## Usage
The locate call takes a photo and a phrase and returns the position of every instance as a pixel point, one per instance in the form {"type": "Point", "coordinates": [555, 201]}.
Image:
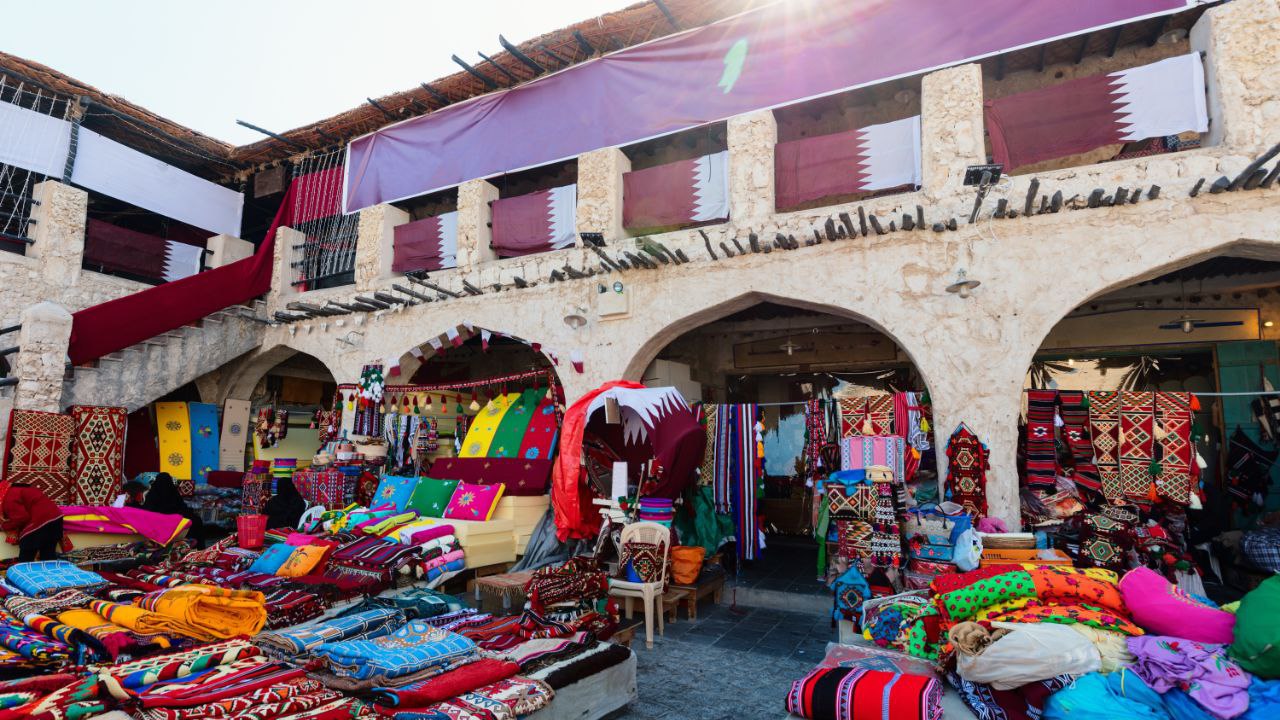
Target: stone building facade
{"type": "Point", "coordinates": [973, 352]}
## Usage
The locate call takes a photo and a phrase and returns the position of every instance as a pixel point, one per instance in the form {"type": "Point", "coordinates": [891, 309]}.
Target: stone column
{"type": "Point", "coordinates": [474, 233]}
{"type": "Point", "coordinates": [951, 136]}
{"type": "Point", "coordinates": [40, 363]}
{"type": "Point", "coordinates": [600, 192]}
{"type": "Point", "coordinates": [752, 187]}
{"type": "Point", "coordinates": [1241, 46]}
{"type": "Point", "coordinates": [375, 244]}
{"type": "Point", "coordinates": [991, 410]}
{"type": "Point", "coordinates": [225, 249]}
{"type": "Point", "coordinates": [57, 230]}
{"type": "Point", "coordinates": [282, 289]}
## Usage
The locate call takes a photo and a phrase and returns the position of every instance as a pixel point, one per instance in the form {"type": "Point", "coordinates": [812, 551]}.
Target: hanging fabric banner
{"type": "Point", "coordinates": [538, 222]}
{"type": "Point", "coordinates": [33, 141]}
{"type": "Point", "coordinates": [778, 54]}
{"type": "Point", "coordinates": [1163, 98]}
{"type": "Point", "coordinates": [678, 193]}
{"type": "Point", "coordinates": [426, 244]}
{"type": "Point", "coordinates": [123, 250]}
{"type": "Point", "coordinates": [876, 157]}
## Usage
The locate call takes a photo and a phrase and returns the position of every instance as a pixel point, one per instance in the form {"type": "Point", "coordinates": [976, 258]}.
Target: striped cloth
{"type": "Point", "coordinates": [414, 648]}
{"type": "Point", "coordinates": [302, 639]}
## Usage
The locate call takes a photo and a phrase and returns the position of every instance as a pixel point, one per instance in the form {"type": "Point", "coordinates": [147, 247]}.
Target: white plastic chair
{"type": "Point", "coordinates": [649, 593]}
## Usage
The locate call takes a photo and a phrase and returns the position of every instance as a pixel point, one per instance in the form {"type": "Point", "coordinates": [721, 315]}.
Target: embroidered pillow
{"type": "Point", "coordinates": [473, 502]}
{"type": "Point", "coordinates": [394, 490]}
{"type": "Point", "coordinates": [272, 558]}
{"type": "Point", "coordinates": [431, 496]}
{"type": "Point", "coordinates": [1161, 608]}
{"type": "Point", "coordinates": [303, 560]}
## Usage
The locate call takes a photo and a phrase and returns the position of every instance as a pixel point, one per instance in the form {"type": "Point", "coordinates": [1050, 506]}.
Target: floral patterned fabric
{"type": "Point", "coordinates": [473, 502]}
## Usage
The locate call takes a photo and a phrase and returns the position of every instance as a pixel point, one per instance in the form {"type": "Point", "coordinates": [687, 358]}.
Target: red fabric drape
{"type": "Point", "coordinates": [123, 250]}
{"type": "Point", "coordinates": [522, 224]}
{"type": "Point", "coordinates": [570, 497]}
{"type": "Point", "coordinates": [417, 246]}
{"type": "Point", "coordinates": [660, 196]}
{"type": "Point", "coordinates": [141, 453]}
{"type": "Point", "coordinates": [1073, 117]}
{"type": "Point", "coordinates": [817, 167]}
{"type": "Point", "coordinates": [103, 329]}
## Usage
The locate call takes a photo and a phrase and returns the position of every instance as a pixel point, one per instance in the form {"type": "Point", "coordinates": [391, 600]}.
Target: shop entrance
{"type": "Point", "coordinates": [1148, 406]}
{"type": "Point", "coordinates": [805, 379]}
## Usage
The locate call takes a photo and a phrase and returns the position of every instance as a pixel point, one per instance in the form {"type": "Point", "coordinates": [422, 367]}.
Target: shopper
{"type": "Point", "coordinates": [36, 521]}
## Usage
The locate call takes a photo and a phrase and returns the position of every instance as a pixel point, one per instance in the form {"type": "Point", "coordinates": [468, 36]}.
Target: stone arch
{"type": "Point", "coordinates": [409, 362]}
{"type": "Point", "coordinates": [242, 379]}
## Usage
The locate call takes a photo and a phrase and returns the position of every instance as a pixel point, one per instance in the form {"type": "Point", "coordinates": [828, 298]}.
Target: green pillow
{"type": "Point", "coordinates": [1257, 634]}
{"type": "Point", "coordinates": [431, 496]}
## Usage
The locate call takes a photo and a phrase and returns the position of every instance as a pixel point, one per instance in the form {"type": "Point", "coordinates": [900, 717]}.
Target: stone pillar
{"type": "Point", "coordinates": [474, 233]}
{"type": "Point", "coordinates": [991, 410]}
{"type": "Point", "coordinates": [951, 136]}
{"type": "Point", "coordinates": [282, 288]}
{"type": "Point", "coordinates": [1241, 46]}
{"type": "Point", "coordinates": [752, 187]}
{"type": "Point", "coordinates": [225, 249]}
{"type": "Point", "coordinates": [375, 244]}
{"type": "Point", "coordinates": [600, 192]}
{"type": "Point", "coordinates": [57, 229]}
{"type": "Point", "coordinates": [40, 363]}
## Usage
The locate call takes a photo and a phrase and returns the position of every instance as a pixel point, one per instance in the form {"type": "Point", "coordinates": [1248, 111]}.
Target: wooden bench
{"type": "Point", "coordinates": [713, 586]}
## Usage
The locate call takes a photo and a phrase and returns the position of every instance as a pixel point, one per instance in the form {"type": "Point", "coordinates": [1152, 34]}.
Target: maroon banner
{"type": "Point", "coordinates": [537, 222]}
{"type": "Point", "coordinates": [123, 250]}
{"type": "Point", "coordinates": [779, 54]}
{"type": "Point", "coordinates": [675, 194]}
{"type": "Point", "coordinates": [426, 244]}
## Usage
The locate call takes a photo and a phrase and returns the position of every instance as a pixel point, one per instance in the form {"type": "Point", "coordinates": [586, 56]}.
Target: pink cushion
{"type": "Point", "coordinates": [473, 502]}
{"type": "Point", "coordinates": [431, 533]}
{"type": "Point", "coordinates": [1162, 608]}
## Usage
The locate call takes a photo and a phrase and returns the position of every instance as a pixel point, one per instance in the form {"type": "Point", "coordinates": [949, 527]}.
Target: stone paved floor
{"type": "Point", "coordinates": [730, 663]}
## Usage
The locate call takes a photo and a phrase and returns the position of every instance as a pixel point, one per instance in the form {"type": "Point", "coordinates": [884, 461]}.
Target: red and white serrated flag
{"type": "Point", "coordinates": [427, 244]}
{"type": "Point", "coordinates": [577, 360]}
{"type": "Point", "coordinates": [538, 222]}
{"type": "Point", "coordinates": [678, 193]}
{"type": "Point", "coordinates": [1162, 98]}
{"type": "Point", "coordinates": [454, 337]}
{"type": "Point", "coordinates": [875, 157]}
{"type": "Point", "coordinates": [436, 343]}
{"type": "Point", "coordinates": [416, 351]}
{"type": "Point", "coordinates": [484, 339]}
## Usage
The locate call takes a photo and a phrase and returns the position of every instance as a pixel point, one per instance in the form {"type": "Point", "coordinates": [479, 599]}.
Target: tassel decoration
{"type": "Point", "coordinates": [1195, 403]}
{"type": "Point", "coordinates": [428, 407]}
{"type": "Point", "coordinates": [924, 425]}
{"type": "Point", "coordinates": [475, 404]}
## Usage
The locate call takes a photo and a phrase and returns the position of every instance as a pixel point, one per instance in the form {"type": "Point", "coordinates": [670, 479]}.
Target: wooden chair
{"type": "Point", "coordinates": [649, 593]}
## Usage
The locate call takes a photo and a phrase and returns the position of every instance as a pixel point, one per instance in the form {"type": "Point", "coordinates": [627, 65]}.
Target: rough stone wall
{"type": "Point", "coordinates": [600, 191]}
{"type": "Point", "coordinates": [752, 187]}
{"type": "Point", "coordinates": [950, 127]}
{"type": "Point", "coordinates": [375, 244]}
{"type": "Point", "coordinates": [39, 364]}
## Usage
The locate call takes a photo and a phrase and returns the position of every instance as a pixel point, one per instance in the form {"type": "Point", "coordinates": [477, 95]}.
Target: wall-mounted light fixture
{"type": "Point", "coordinates": [576, 317]}
{"type": "Point", "coordinates": [964, 285]}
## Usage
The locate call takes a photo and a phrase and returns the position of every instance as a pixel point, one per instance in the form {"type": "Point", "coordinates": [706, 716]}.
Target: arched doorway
{"type": "Point", "coordinates": [285, 401]}
{"type": "Point", "coordinates": [1145, 411]}
{"type": "Point", "coordinates": [804, 379]}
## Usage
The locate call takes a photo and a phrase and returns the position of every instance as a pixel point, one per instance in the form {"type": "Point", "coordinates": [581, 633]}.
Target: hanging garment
{"type": "Point", "coordinates": [967, 465]}
{"type": "Point", "coordinates": [1104, 431]}
{"type": "Point", "coordinates": [911, 416]}
{"type": "Point", "coordinates": [1075, 429]}
{"type": "Point", "coordinates": [1042, 455]}
{"type": "Point", "coordinates": [738, 472]}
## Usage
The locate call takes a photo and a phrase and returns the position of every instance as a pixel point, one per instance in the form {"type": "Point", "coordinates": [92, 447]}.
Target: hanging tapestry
{"type": "Point", "coordinates": [861, 453]}
{"type": "Point", "coordinates": [480, 435]}
{"type": "Point", "coordinates": [540, 437]}
{"type": "Point", "coordinates": [866, 415]}
{"type": "Point", "coordinates": [710, 414]}
{"type": "Point", "coordinates": [39, 452]}
{"type": "Point", "coordinates": [368, 418]}
{"type": "Point", "coordinates": [1173, 411]}
{"type": "Point", "coordinates": [174, 430]}
{"type": "Point", "coordinates": [1137, 441]}
{"type": "Point", "coordinates": [967, 465]}
{"type": "Point", "coordinates": [141, 450]}
{"type": "Point", "coordinates": [1104, 432]}
{"type": "Point", "coordinates": [426, 244]}
{"type": "Point", "coordinates": [854, 539]}
{"type": "Point", "coordinates": [235, 428]}
{"type": "Point", "coordinates": [677, 193]}
{"type": "Point", "coordinates": [534, 223]}
{"type": "Point", "coordinates": [738, 472]}
{"type": "Point", "coordinates": [911, 418]}
{"type": "Point", "coordinates": [1042, 456]}
{"type": "Point", "coordinates": [515, 424]}
{"type": "Point", "coordinates": [97, 453]}
{"type": "Point", "coordinates": [1075, 428]}
{"type": "Point", "coordinates": [328, 424]}
{"type": "Point", "coordinates": [886, 537]}
{"type": "Point", "coordinates": [203, 418]}
{"type": "Point", "coordinates": [815, 437]}
{"type": "Point", "coordinates": [875, 157]}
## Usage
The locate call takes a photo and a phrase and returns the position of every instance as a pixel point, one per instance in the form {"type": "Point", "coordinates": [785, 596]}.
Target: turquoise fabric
{"type": "Point", "coordinates": [272, 558]}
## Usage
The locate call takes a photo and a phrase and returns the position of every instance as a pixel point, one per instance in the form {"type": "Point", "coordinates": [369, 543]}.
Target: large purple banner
{"type": "Point", "coordinates": [783, 53]}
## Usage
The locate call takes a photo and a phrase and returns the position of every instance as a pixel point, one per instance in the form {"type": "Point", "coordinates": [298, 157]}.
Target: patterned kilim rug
{"type": "Point", "coordinates": [39, 452]}
{"type": "Point", "coordinates": [1104, 431]}
{"type": "Point", "coordinates": [97, 453]}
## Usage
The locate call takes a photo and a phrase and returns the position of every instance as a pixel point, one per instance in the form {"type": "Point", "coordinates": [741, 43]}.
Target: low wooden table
{"type": "Point", "coordinates": [507, 586]}
{"type": "Point", "coordinates": [693, 593]}
{"type": "Point", "coordinates": [671, 601]}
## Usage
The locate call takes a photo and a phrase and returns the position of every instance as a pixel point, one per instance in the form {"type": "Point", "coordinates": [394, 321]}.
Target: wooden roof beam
{"type": "Point", "coordinates": [488, 81]}
{"type": "Point", "coordinates": [525, 59]}
{"type": "Point", "coordinates": [514, 80]}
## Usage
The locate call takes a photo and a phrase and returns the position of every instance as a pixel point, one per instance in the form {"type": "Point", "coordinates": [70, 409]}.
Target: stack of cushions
{"type": "Point", "coordinates": [657, 510]}
{"type": "Point", "coordinates": [473, 502]}
{"type": "Point", "coordinates": [431, 497]}
{"type": "Point", "coordinates": [296, 557]}
{"type": "Point", "coordinates": [282, 468]}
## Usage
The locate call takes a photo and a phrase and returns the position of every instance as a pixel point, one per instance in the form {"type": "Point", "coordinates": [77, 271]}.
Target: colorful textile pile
{"type": "Point", "coordinates": [865, 452]}
{"type": "Point", "coordinates": [300, 640]}
{"type": "Point", "coordinates": [967, 465]}
{"type": "Point", "coordinates": [658, 510]}
{"type": "Point", "coordinates": [38, 452]}
{"type": "Point", "coordinates": [1218, 685]}
{"type": "Point", "coordinates": [210, 613]}
{"type": "Point", "coordinates": [576, 580]}
{"type": "Point", "coordinates": [858, 694]}
{"type": "Point", "coordinates": [329, 488]}
{"type": "Point", "coordinates": [97, 453]}
{"type": "Point", "coordinates": [416, 650]}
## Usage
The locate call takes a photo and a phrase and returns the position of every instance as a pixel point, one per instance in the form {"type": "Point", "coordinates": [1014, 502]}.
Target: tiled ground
{"type": "Point", "coordinates": [788, 564]}
{"type": "Point", "coordinates": [730, 663]}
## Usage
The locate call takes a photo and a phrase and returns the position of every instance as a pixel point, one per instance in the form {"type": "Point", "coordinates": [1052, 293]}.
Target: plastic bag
{"type": "Point", "coordinates": [968, 551]}
{"type": "Point", "coordinates": [686, 563]}
{"type": "Point", "coordinates": [1032, 652]}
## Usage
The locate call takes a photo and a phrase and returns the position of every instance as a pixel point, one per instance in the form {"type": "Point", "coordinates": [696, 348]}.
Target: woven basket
{"type": "Point", "coordinates": [251, 531]}
{"type": "Point", "coordinates": [1009, 541]}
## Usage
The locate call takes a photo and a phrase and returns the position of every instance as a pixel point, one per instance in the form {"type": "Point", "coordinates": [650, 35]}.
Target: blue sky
{"type": "Point", "coordinates": [276, 63]}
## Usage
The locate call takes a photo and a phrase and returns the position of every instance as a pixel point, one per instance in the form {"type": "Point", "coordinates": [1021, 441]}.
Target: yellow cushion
{"type": "Point", "coordinates": [302, 561]}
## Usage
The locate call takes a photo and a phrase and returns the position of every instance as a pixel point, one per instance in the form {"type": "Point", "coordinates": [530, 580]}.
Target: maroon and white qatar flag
{"type": "Point", "coordinates": [678, 193]}
{"type": "Point", "coordinates": [876, 157]}
{"type": "Point", "coordinates": [538, 222]}
{"type": "Point", "coordinates": [1163, 98]}
{"type": "Point", "coordinates": [426, 244]}
{"type": "Point", "coordinates": [123, 250]}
